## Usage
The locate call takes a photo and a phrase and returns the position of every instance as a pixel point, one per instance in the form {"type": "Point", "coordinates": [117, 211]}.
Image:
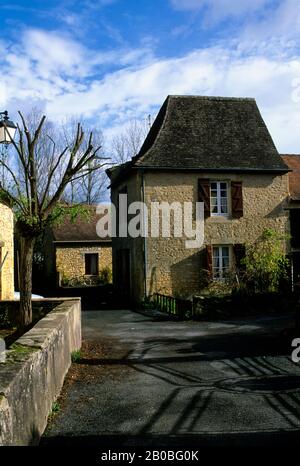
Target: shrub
{"type": "Point", "coordinates": [64, 280]}
{"type": "Point", "coordinates": [105, 275]}
{"type": "Point", "coordinates": [217, 288]}
{"type": "Point", "coordinates": [266, 264]}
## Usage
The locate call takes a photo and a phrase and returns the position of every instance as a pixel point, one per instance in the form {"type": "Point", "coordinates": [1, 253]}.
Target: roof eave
{"type": "Point", "coordinates": [82, 241]}
{"type": "Point", "coordinates": [216, 170]}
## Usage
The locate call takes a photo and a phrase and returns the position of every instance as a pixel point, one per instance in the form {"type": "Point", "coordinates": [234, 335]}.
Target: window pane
{"type": "Point", "coordinates": [216, 252]}
{"type": "Point", "coordinates": [214, 205]}
{"type": "Point", "coordinates": [225, 263]}
{"type": "Point", "coordinates": [219, 197]}
{"type": "Point", "coordinates": [224, 207]}
{"type": "Point", "coordinates": [215, 262]}
{"type": "Point", "coordinates": [225, 251]}
{"type": "Point", "coordinates": [221, 262]}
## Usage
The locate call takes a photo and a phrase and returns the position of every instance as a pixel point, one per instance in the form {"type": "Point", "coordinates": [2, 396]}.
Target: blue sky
{"type": "Point", "coordinates": [113, 60]}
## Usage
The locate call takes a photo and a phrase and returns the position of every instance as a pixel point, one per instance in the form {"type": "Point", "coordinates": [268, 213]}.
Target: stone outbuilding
{"type": "Point", "coordinates": [6, 253]}
{"type": "Point", "coordinates": [74, 251]}
{"type": "Point", "coordinates": [293, 162]}
{"type": "Point", "coordinates": [213, 150]}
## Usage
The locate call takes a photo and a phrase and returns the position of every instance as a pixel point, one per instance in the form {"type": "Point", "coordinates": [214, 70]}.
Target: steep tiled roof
{"type": "Point", "coordinates": [207, 133]}
{"type": "Point", "coordinates": [210, 133]}
{"type": "Point", "coordinates": [82, 230]}
{"type": "Point", "coordinates": [293, 162]}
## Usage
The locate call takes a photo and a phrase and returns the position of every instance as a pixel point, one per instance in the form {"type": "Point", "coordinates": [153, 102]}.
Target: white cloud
{"type": "Point", "coordinates": [282, 21]}
{"type": "Point", "coordinates": [67, 79]}
{"type": "Point", "coordinates": [263, 19]}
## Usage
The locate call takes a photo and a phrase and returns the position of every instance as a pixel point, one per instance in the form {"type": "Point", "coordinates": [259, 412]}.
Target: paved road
{"type": "Point", "coordinates": [221, 383]}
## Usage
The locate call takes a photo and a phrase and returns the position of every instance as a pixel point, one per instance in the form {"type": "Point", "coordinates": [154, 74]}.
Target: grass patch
{"type": "Point", "coordinates": [18, 353]}
{"type": "Point", "coordinates": [55, 409]}
{"type": "Point", "coordinates": [22, 349]}
{"type": "Point", "coordinates": [75, 356]}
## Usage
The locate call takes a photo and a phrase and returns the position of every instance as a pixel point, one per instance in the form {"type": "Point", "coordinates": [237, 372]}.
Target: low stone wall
{"type": "Point", "coordinates": [40, 307]}
{"type": "Point", "coordinates": [33, 373]}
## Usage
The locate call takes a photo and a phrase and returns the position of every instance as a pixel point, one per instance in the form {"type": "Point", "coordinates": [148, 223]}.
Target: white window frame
{"type": "Point", "coordinates": [219, 197]}
{"type": "Point", "coordinates": [221, 277]}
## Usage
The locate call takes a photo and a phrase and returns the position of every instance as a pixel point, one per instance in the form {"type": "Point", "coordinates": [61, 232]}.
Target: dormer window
{"type": "Point", "coordinates": [219, 198]}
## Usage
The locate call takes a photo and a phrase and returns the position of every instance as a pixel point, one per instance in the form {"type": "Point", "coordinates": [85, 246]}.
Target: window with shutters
{"type": "Point", "coordinates": [237, 199]}
{"type": "Point", "coordinates": [219, 198]}
{"type": "Point", "coordinates": [221, 259]}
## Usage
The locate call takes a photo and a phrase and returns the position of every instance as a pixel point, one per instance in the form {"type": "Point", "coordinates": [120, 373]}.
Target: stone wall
{"type": "Point", "coordinates": [7, 242]}
{"type": "Point", "coordinates": [70, 260]}
{"type": "Point", "coordinates": [175, 270]}
{"type": "Point", "coordinates": [33, 374]}
{"type": "Point", "coordinates": [135, 246]}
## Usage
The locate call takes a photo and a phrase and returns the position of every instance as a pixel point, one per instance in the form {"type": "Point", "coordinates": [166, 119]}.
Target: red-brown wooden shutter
{"type": "Point", "coordinates": [237, 199]}
{"type": "Point", "coordinates": [209, 259]}
{"type": "Point", "coordinates": [239, 253]}
{"type": "Point", "coordinates": [204, 195]}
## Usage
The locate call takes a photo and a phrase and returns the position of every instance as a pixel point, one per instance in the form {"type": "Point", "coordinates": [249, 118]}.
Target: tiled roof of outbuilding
{"type": "Point", "coordinates": [82, 230]}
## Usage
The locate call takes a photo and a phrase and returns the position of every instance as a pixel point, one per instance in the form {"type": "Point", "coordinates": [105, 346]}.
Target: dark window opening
{"type": "Point", "coordinates": [295, 228]}
{"type": "Point", "coordinates": [91, 264]}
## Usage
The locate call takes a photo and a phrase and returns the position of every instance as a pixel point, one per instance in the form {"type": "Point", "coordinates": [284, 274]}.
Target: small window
{"type": "Point", "coordinates": [221, 262]}
{"type": "Point", "coordinates": [91, 264]}
{"type": "Point", "coordinates": [219, 197]}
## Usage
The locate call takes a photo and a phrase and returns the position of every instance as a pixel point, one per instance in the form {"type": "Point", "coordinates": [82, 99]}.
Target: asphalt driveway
{"type": "Point", "coordinates": [220, 383]}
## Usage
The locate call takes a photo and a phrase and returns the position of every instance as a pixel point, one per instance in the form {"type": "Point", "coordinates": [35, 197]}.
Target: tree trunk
{"type": "Point", "coordinates": [26, 256]}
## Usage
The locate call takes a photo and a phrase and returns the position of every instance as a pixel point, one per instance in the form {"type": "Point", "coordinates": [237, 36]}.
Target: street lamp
{"type": "Point", "coordinates": [7, 129]}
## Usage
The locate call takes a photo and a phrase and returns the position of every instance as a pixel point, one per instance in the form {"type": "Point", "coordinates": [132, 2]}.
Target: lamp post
{"type": "Point", "coordinates": [7, 128]}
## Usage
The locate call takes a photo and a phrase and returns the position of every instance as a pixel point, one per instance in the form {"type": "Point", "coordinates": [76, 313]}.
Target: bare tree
{"type": "Point", "coordinates": [91, 188]}
{"type": "Point", "coordinates": [128, 143]}
{"type": "Point", "coordinates": [35, 192]}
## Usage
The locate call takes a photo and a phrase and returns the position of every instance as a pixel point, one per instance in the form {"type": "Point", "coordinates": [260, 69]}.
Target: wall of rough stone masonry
{"type": "Point", "coordinates": [33, 373]}
{"type": "Point", "coordinates": [70, 260]}
{"type": "Point", "coordinates": [7, 242]}
{"type": "Point", "coordinates": [134, 245]}
{"type": "Point", "coordinates": [175, 270]}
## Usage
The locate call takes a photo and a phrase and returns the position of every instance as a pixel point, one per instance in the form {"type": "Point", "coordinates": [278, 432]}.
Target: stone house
{"type": "Point", "coordinates": [293, 162]}
{"type": "Point", "coordinates": [6, 253]}
{"type": "Point", "coordinates": [209, 149]}
{"type": "Point", "coordinates": [74, 250]}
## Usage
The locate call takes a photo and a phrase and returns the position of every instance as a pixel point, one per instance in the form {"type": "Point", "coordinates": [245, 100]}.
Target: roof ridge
{"type": "Point", "coordinates": [208, 97]}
